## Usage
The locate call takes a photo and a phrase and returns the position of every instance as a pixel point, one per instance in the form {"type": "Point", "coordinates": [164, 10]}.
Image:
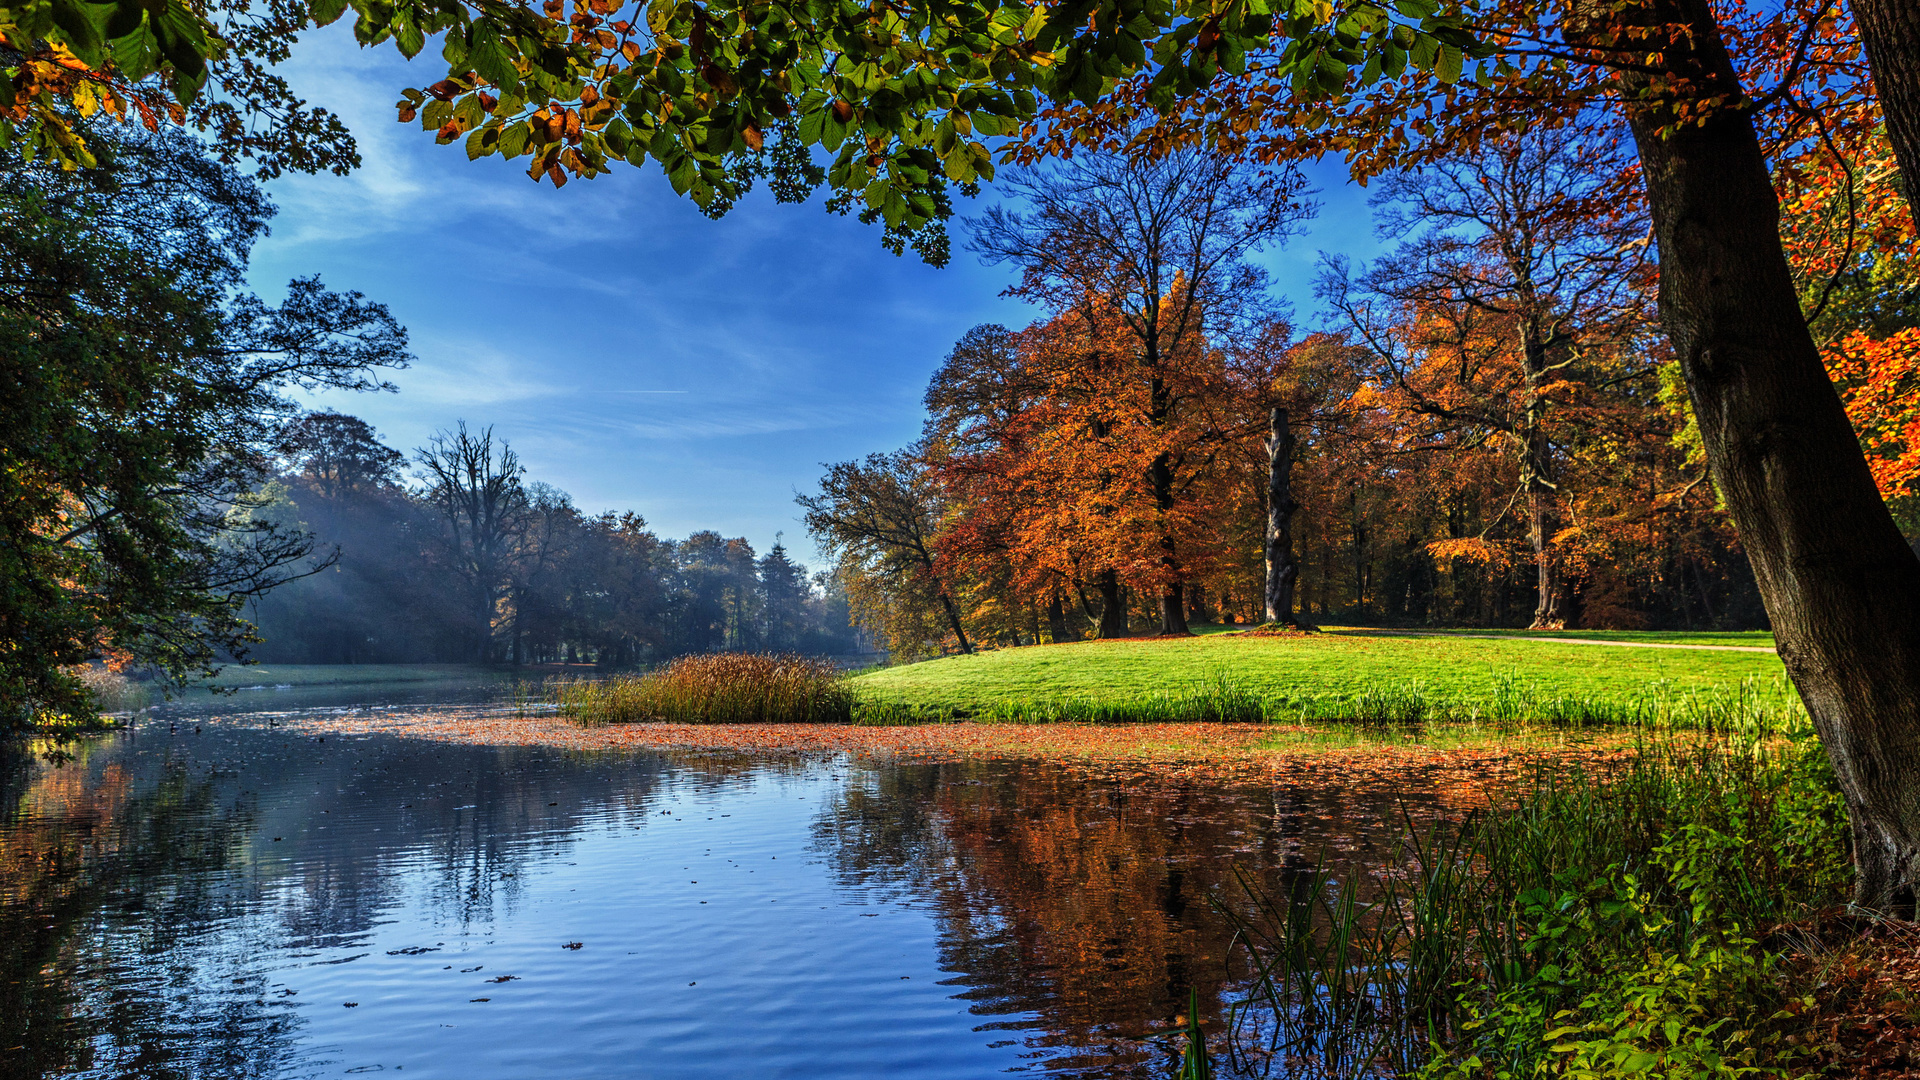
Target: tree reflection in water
{"type": "Point", "coordinates": [1086, 905]}
{"type": "Point", "coordinates": [108, 884]}
{"type": "Point", "coordinates": [162, 899]}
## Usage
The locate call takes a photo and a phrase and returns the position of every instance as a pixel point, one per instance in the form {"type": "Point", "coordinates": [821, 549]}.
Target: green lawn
{"type": "Point", "coordinates": [1452, 675]}
{"type": "Point", "coordinates": [1752, 639]}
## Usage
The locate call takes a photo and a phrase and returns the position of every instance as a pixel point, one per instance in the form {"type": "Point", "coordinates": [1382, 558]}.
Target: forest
{"type": "Point", "coordinates": [453, 556]}
{"type": "Point", "coordinates": [1484, 427]}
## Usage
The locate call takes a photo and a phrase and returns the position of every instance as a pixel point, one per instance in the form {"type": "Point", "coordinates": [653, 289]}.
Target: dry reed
{"type": "Point", "coordinates": [714, 688]}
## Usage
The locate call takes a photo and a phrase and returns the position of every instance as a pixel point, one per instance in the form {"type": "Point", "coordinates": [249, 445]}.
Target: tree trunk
{"type": "Point", "coordinates": [1173, 603]}
{"type": "Point", "coordinates": [483, 630]}
{"type": "Point", "coordinates": [1113, 611]}
{"type": "Point", "coordinates": [1536, 477]}
{"type": "Point", "coordinates": [1056, 619]}
{"type": "Point", "coordinates": [1890, 30]}
{"type": "Point", "coordinates": [1282, 570]}
{"type": "Point", "coordinates": [953, 621]}
{"type": "Point", "coordinates": [1840, 585]}
{"type": "Point", "coordinates": [1173, 610]}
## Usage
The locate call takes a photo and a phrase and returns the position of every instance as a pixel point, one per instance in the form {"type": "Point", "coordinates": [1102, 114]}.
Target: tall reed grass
{"type": "Point", "coordinates": [1593, 924]}
{"type": "Point", "coordinates": [715, 688]}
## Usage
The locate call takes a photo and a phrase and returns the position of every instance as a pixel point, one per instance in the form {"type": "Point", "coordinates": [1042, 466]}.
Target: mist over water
{"type": "Point", "coordinates": [212, 897]}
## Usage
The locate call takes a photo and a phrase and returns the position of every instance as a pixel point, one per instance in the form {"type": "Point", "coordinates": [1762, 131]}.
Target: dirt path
{"type": "Point", "coordinates": [1551, 640]}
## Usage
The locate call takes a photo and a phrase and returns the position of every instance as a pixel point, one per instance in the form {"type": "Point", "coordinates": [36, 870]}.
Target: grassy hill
{"type": "Point", "coordinates": [1340, 676]}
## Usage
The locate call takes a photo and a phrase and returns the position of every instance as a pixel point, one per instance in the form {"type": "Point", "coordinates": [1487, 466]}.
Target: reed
{"type": "Point", "coordinates": [713, 688]}
{"type": "Point", "coordinates": [1607, 916]}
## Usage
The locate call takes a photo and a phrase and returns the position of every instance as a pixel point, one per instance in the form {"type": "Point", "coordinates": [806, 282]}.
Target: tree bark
{"type": "Point", "coordinates": [1839, 583]}
{"type": "Point", "coordinates": [953, 620]}
{"type": "Point", "coordinates": [1890, 30]}
{"type": "Point", "coordinates": [1173, 610]}
{"type": "Point", "coordinates": [1173, 600]}
{"type": "Point", "coordinates": [1282, 570]}
{"type": "Point", "coordinates": [1536, 477]}
{"type": "Point", "coordinates": [1113, 611]}
{"type": "Point", "coordinates": [1056, 619]}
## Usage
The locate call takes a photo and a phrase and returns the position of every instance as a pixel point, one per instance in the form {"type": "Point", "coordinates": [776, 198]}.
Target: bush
{"type": "Point", "coordinates": [714, 688]}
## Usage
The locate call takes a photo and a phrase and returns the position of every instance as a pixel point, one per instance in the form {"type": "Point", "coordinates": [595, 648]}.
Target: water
{"type": "Point", "coordinates": [232, 900]}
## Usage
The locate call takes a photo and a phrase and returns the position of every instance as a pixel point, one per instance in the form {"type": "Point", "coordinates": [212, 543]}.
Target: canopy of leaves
{"type": "Point", "coordinates": [140, 394]}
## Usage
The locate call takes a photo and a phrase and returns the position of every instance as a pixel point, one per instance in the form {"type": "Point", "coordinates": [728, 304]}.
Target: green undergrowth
{"type": "Point", "coordinates": [1625, 921]}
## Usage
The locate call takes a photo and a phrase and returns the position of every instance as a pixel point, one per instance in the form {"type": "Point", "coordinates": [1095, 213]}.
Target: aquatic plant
{"type": "Point", "coordinates": [713, 688]}
{"type": "Point", "coordinates": [1593, 923]}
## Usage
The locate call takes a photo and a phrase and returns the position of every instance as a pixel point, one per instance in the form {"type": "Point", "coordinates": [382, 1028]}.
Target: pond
{"type": "Point", "coordinates": [210, 896]}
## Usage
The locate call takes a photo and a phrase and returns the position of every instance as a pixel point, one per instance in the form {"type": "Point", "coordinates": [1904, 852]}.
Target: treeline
{"type": "Point", "coordinates": [1489, 429]}
{"type": "Point", "coordinates": [452, 555]}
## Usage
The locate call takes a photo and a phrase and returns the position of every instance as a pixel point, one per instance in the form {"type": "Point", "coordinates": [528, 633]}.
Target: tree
{"type": "Point", "coordinates": [142, 394]}
{"type": "Point", "coordinates": [484, 514]}
{"type": "Point", "coordinates": [1148, 255]}
{"type": "Point", "coordinates": [1890, 34]}
{"type": "Point", "coordinates": [783, 596]}
{"type": "Point", "coordinates": [340, 456]}
{"type": "Point", "coordinates": [1521, 291]}
{"type": "Point", "coordinates": [878, 518]}
{"type": "Point", "coordinates": [1840, 583]}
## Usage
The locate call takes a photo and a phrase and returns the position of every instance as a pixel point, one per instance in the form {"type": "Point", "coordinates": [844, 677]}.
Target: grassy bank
{"type": "Point", "coordinates": [1336, 677]}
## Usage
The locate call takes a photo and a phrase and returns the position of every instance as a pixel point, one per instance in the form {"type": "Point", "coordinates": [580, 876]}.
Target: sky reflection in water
{"type": "Point", "coordinates": [207, 904]}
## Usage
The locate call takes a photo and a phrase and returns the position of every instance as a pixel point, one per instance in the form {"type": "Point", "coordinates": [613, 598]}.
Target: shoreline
{"type": "Point", "coordinates": [1213, 752]}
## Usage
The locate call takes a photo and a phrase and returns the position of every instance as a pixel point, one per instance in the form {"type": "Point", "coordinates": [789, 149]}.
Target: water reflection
{"type": "Point", "coordinates": [248, 902]}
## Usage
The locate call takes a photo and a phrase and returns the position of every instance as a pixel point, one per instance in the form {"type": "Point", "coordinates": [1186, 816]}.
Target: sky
{"type": "Point", "coordinates": [634, 353]}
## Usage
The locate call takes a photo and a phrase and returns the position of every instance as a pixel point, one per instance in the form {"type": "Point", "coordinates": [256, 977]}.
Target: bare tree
{"type": "Point", "coordinates": [484, 510]}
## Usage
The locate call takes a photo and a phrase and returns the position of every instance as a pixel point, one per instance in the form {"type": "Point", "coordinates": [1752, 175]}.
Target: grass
{"type": "Point", "coordinates": [714, 688]}
{"type": "Point", "coordinates": [1630, 922]}
{"type": "Point", "coordinates": [1750, 639]}
{"type": "Point", "coordinates": [1379, 682]}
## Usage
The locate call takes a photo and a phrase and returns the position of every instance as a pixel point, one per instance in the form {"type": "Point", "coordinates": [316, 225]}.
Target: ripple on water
{"type": "Point", "coordinates": [252, 901]}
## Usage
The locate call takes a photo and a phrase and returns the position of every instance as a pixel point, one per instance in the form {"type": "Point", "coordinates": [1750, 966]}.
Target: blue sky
{"type": "Point", "coordinates": [635, 353]}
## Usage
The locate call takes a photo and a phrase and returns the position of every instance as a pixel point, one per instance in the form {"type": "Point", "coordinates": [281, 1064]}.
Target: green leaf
{"type": "Point", "coordinates": [80, 30]}
{"type": "Point", "coordinates": [407, 37]}
{"type": "Point", "coordinates": [138, 51]}
{"type": "Point", "coordinates": [125, 18]}
{"type": "Point", "coordinates": [183, 40]}
{"type": "Point", "coordinates": [1451, 63]}
{"type": "Point", "coordinates": [489, 55]}
{"type": "Point", "coordinates": [811, 125]}
{"type": "Point", "coordinates": [326, 12]}
{"type": "Point", "coordinates": [513, 139]}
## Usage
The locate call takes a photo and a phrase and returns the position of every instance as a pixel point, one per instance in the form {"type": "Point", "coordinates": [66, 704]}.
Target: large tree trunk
{"type": "Point", "coordinates": [1173, 610]}
{"type": "Point", "coordinates": [1113, 611]}
{"type": "Point", "coordinates": [1841, 586]}
{"type": "Point", "coordinates": [1173, 599]}
{"type": "Point", "coordinates": [1282, 570]}
{"type": "Point", "coordinates": [1056, 619]}
{"type": "Point", "coordinates": [1890, 30]}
